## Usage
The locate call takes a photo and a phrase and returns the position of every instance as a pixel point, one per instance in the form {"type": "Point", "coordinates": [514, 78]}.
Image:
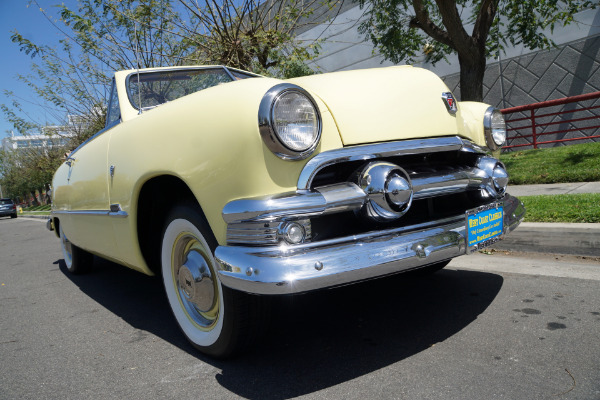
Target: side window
{"type": "Point", "coordinates": [114, 112]}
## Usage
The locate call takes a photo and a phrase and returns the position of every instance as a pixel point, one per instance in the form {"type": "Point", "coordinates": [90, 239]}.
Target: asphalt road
{"type": "Point", "coordinates": [486, 327]}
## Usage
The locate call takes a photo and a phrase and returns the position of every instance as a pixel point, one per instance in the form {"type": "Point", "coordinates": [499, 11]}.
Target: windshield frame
{"type": "Point", "coordinates": [134, 74]}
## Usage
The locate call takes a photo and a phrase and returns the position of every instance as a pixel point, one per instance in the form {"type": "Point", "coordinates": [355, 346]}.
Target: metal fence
{"type": "Point", "coordinates": [555, 121]}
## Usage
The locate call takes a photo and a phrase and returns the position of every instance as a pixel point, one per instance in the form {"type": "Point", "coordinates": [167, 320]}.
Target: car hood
{"type": "Point", "coordinates": [384, 104]}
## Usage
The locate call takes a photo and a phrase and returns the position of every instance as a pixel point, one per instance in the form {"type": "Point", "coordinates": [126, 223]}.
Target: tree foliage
{"type": "Point", "coordinates": [252, 35]}
{"type": "Point", "coordinates": [25, 171]}
{"type": "Point", "coordinates": [71, 81]}
{"type": "Point", "coordinates": [474, 30]}
{"type": "Point", "coordinates": [103, 36]}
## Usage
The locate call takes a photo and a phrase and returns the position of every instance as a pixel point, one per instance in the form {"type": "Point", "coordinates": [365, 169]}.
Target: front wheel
{"type": "Point", "coordinates": [216, 320]}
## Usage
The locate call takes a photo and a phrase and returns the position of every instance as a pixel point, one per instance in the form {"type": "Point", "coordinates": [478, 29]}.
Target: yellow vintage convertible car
{"type": "Point", "coordinates": [232, 186]}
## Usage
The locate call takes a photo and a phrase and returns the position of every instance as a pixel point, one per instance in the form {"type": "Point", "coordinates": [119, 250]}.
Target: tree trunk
{"type": "Point", "coordinates": [472, 69]}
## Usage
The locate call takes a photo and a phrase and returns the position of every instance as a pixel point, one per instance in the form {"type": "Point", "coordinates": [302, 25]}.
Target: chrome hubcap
{"type": "Point", "coordinates": [66, 247]}
{"type": "Point", "coordinates": [194, 281]}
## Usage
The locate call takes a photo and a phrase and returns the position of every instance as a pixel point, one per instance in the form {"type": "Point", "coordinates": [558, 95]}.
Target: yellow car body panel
{"type": "Point", "coordinates": [86, 190]}
{"type": "Point", "coordinates": [210, 140]}
{"type": "Point", "coordinates": [387, 104]}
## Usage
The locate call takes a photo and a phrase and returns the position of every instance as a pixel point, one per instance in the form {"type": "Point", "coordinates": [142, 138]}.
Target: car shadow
{"type": "Point", "coordinates": [136, 298]}
{"type": "Point", "coordinates": [316, 340]}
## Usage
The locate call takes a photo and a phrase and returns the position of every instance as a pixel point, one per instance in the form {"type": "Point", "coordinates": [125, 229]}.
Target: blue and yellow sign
{"type": "Point", "coordinates": [484, 225]}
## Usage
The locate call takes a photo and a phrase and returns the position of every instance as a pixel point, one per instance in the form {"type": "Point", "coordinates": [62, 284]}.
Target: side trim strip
{"type": "Point", "coordinates": [117, 214]}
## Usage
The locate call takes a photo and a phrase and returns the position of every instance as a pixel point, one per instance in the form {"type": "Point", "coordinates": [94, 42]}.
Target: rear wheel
{"type": "Point", "coordinates": [14, 215]}
{"type": "Point", "coordinates": [217, 320]}
{"type": "Point", "coordinates": [78, 261]}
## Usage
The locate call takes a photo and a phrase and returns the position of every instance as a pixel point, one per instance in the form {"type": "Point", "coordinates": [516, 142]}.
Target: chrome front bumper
{"type": "Point", "coordinates": [302, 268]}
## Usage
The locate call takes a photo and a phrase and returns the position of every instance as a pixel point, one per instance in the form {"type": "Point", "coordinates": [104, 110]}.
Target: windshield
{"type": "Point", "coordinates": [155, 88]}
{"type": "Point", "coordinates": [4, 202]}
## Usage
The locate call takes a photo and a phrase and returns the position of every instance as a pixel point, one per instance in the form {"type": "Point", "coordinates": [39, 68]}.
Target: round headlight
{"type": "Point", "coordinates": [495, 128]}
{"type": "Point", "coordinates": [295, 121]}
{"type": "Point", "coordinates": [289, 122]}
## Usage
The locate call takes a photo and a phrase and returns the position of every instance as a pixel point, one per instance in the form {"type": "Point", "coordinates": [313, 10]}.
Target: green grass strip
{"type": "Point", "coordinates": [574, 163]}
{"type": "Point", "coordinates": [26, 213]}
{"type": "Point", "coordinates": [583, 207]}
{"type": "Point", "coordinates": [38, 208]}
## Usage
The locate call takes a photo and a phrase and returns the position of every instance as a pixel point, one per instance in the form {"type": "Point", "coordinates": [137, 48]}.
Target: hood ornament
{"type": "Point", "coordinates": [450, 102]}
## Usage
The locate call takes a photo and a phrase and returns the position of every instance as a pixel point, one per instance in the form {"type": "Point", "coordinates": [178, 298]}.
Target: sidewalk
{"type": "Point", "coordinates": [554, 188]}
{"type": "Point", "coordinates": [560, 238]}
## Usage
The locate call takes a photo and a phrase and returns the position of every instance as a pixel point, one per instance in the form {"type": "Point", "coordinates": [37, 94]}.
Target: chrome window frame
{"type": "Point", "coordinates": [242, 72]}
{"type": "Point", "coordinates": [101, 131]}
{"type": "Point", "coordinates": [113, 90]}
{"type": "Point", "coordinates": [135, 73]}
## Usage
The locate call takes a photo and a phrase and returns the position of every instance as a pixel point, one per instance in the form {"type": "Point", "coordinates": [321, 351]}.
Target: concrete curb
{"type": "Point", "coordinates": [558, 238]}
{"type": "Point", "coordinates": [44, 217]}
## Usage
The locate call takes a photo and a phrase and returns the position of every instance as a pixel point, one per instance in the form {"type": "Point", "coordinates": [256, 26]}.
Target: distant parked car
{"type": "Point", "coordinates": [231, 186]}
{"type": "Point", "coordinates": [7, 207]}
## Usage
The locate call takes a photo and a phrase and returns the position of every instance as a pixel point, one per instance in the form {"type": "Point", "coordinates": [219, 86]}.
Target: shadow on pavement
{"type": "Point", "coordinates": [317, 340]}
{"type": "Point", "coordinates": [136, 298]}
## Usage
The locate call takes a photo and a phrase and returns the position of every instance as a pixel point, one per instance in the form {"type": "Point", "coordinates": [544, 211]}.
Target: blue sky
{"type": "Point", "coordinates": [31, 23]}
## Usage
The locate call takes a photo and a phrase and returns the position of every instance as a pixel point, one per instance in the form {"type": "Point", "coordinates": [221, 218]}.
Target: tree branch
{"type": "Point", "coordinates": [423, 22]}
{"type": "Point", "coordinates": [486, 16]}
{"type": "Point", "coordinates": [463, 43]}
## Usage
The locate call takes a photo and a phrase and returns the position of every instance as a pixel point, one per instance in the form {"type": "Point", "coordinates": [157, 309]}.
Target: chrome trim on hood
{"type": "Point", "coordinates": [381, 150]}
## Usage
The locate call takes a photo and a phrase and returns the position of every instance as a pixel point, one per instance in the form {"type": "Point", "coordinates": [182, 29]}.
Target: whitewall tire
{"type": "Point", "coordinates": [77, 261]}
{"type": "Point", "coordinates": [198, 306]}
{"type": "Point", "coordinates": [217, 320]}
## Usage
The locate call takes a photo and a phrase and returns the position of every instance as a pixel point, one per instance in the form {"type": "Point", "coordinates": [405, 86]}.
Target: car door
{"type": "Point", "coordinates": [87, 221]}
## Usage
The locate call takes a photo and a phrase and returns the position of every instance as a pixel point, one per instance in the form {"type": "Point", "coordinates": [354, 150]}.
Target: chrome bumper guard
{"type": "Point", "coordinates": [295, 269]}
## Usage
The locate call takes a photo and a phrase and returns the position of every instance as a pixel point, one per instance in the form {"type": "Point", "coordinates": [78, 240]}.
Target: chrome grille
{"type": "Point", "coordinates": [448, 176]}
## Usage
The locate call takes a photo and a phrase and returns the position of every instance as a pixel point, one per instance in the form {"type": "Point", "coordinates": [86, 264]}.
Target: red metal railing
{"type": "Point", "coordinates": [544, 124]}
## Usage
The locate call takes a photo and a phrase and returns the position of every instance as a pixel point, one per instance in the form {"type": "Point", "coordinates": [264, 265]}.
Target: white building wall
{"type": "Point", "coordinates": [13, 143]}
{"type": "Point", "coordinates": [344, 48]}
{"type": "Point", "coordinates": [519, 77]}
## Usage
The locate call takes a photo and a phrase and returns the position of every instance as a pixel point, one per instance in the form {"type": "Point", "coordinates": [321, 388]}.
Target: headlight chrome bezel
{"type": "Point", "coordinates": [266, 123]}
{"type": "Point", "coordinates": [489, 131]}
